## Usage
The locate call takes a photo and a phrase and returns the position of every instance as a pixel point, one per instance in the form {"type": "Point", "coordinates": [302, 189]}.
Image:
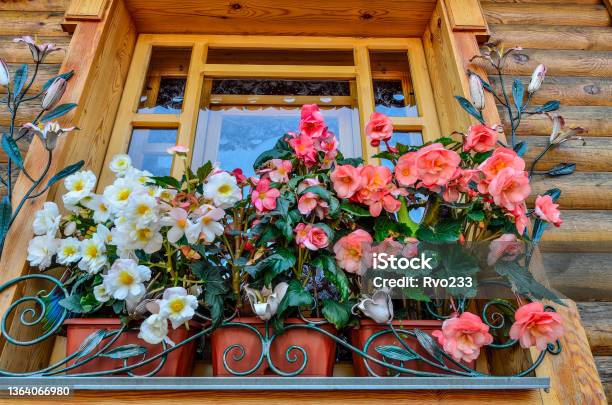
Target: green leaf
{"type": "Point", "coordinates": [12, 150]}
{"type": "Point", "coordinates": [125, 351]}
{"type": "Point", "coordinates": [467, 106]}
{"type": "Point", "coordinates": [555, 193]}
{"type": "Point", "coordinates": [296, 296]}
{"type": "Point", "coordinates": [65, 172]}
{"type": "Point", "coordinates": [336, 313]}
{"type": "Point", "coordinates": [334, 274]}
{"type": "Point", "coordinates": [280, 261]}
{"type": "Point", "coordinates": [21, 75]}
{"type": "Point", "coordinates": [350, 161]}
{"type": "Point", "coordinates": [204, 170]}
{"type": "Point", "coordinates": [482, 156]}
{"type": "Point", "coordinates": [385, 228]}
{"type": "Point", "coordinates": [165, 181]}
{"type": "Point", "coordinates": [319, 191]}
{"type": "Point", "coordinates": [524, 283]}
{"type": "Point", "coordinates": [446, 231]}
{"type": "Point", "coordinates": [5, 218]}
{"type": "Point", "coordinates": [355, 209]}
{"type": "Point", "coordinates": [458, 262]}
{"type": "Point", "coordinates": [548, 107]}
{"type": "Point", "coordinates": [518, 93]}
{"type": "Point", "coordinates": [73, 303]}
{"type": "Point", "coordinates": [90, 343]}
{"type": "Point", "coordinates": [384, 155]}
{"type": "Point", "coordinates": [476, 215]}
{"type": "Point", "coordinates": [396, 353]}
{"type": "Point", "coordinates": [58, 111]}
{"type": "Point", "coordinates": [269, 155]}
{"type": "Point", "coordinates": [65, 76]}
{"type": "Point", "coordinates": [562, 169]}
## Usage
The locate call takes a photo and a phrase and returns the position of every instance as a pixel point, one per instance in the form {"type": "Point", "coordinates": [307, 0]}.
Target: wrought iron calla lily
{"type": "Point", "coordinates": [39, 51]}
{"type": "Point", "coordinates": [54, 93]}
{"type": "Point", "coordinates": [537, 77]}
{"type": "Point", "coordinates": [378, 307]}
{"type": "Point", "coordinates": [560, 135]}
{"type": "Point", "coordinates": [477, 92]}
{"type": "Point", "coordinates": [265, 302]}
{"type": "Point", "coordinates": [49, 133]}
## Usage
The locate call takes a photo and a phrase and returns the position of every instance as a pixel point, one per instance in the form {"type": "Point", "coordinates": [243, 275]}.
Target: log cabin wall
{"type": "Point", "coordinates": [573, 38]}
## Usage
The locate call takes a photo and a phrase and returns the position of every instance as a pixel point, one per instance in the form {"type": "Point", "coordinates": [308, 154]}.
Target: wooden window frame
{"type": "Point", "coordinates": [186, 121]}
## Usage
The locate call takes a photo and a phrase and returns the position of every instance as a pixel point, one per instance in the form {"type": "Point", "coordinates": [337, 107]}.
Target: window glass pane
{"type": "Point", "coordinates": [392, 84]}
{"type": "Point", "coordinates": [164, 86]}
{"type": "Point", "coordinates": [281, 87]}
{"type": "Point", "coordinates": [280, 57]}
{"type": "Point", "coordinates": [148, 149]}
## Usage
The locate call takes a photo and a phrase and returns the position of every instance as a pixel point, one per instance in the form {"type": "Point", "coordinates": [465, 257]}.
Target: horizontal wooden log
{"type": "Point", "coordinates": [571, 91]}
{"type": "Point", "coordinates": [558, 63]}
{"type": "Point", "coordinates": [33, 5]}
{"type": "Point", "coordinates": [595, 15]}
{"type": "Point", "coordinates": [598, 326]}
{"type": "Point", "coordinates": [553, 37]}
{"type": "Point", "coordinates": [604, 367]}
{"type": "Point", "coordinates": [596, 120]}
{"type": "Point", "coordinates": [594, 156]}
{"type": "Point", "coordinates": [13, 52]}
{"type": "Point", "coordinates": [582, 231]}
{"type": "Point", "coordinates": [44, 23]}
{"type": "Point", "coordinates": [580, 190]}
{"type": "Point", "coordinates": [579, 276]}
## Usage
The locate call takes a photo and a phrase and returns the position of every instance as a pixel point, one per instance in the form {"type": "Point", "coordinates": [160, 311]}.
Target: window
{"type": "Point", "coordinates": [228, 98]}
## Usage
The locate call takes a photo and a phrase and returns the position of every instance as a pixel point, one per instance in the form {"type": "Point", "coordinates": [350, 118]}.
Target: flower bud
{"type": "Point", "coordinates": [54, 93]}
{"type": "Point", "coordinates": [536, 79]}
{"type": "Point", "coordinates": [477, 92]}
{"type": "Point", "coordinates": [5, 76]}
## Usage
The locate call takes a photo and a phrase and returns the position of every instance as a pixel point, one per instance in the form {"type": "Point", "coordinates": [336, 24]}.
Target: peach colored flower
{"type": "Point", "coordinates": [499, 160]}
{"type": "Point", "coordinates": [280, 170]}
{"type": "Point", "coordinates": [378, 129]}
{"type": "Point", "coordinates": [177, 150]}
{"type": "Point", "coordinates": [521, 221]}
{"type": "Point", "coordinates": [311, 237]}
{"type": "Point", "coordinates": [304, 149]}
{"type": "Point", "coordinates": [346, 180]}
{"type": "Point", "coordinates": [405, 169]}
{"type": "Point", "coordinates": [411, 247]}
{"type": "Point", "coordinates": [533, 326]}
{"type": "Point", "coordinates": [460, 183]}
{"type": "Point", "coordinates": [433, 165]}
{"type": "Point", "coordinates": [377, 191]}
{"type": "Point", "coordinates": [463, 336]}
{"type": "Point", "coordinates": [509, 188]}
{"type": "Point", "coordinates": [506, 248]}
{"type": "Point", "coordinates": [547, 210]}
{"type": "Point", "coordinates": [480, 138]}
{"type": "Point", "coordinates": [310, 201]}
{"type": "Point", "coordinates": [312, 123]}
{"type": "Point", "coordinates": [264, 197]}
{"type": "Point", "coordinates": [351, 249]}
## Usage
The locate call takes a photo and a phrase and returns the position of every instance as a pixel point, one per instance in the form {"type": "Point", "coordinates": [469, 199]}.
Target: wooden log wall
{"type": "Point", "coordinates": [573, 38]}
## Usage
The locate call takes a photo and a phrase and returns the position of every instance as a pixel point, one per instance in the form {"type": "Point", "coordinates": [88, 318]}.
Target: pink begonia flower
{"type": "Point", "coordinates": [351, 249]}
{"type": "Point", "coordinates": [509, 188]}
{"type": "Point", "coordinates": [432, 165]}
{"type": "Point", "coordinates": [280, 170]}
{"type": "Point", "coordinates": [264, 197]}
{"type": "Point", "coordinates": [506, 248]}
{"type": "Point", "coordinates": [377, 191]}
{"type": "Point", "coordinates": [346, 180]}
{"type": "Point", "coordinates": [411, 247]}
{"type": "Point", "coordinates": [304, 149]}
{"type": "Point", "coordinates": [460, 183]}
{"type": "Point", "coordinates": [378, 129]}
{"type": "Point", "coordinates": [405, 169]}
{"type": "Point", "coordinates": [499, 160]}
{"type": "Point", "coordinates": [329, 144]}
{"type": "Point", "coordinates": [463, 336]}
{"type": "Point", "coordinates": [389, 246]}
{"type": "Point", "coordinates": [533, 326]}
{"type": "Point", "coordinates": [312, 123]}
{"type": "Point", "coordinates": [309, 202]}
{"type": "Point", "coordinates": [177, 150]}
{"type": "Point", "coordinates": [521, 221]}
{"type": "Point", "coordinates": [480, 138]}
{"type": "Point", "coordinates": [311, 237]}
{"type": "Point", "coordinates": [547, 210]}
{"type": "Point", "coordinates": [239, 175]}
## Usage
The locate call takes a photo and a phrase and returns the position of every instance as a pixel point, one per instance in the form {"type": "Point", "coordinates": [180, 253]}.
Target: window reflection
{"type": "Point", "coordinates": [392, 84]}
{"type": "Point", "coordinates": [148, 149]}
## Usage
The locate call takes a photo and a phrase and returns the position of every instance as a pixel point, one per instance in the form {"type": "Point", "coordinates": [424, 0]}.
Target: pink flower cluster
{"type": "Point", "coordinates": [314, 138]}
{"type": "Point", "coordinates": [310, 236]}
{"type": "Point", "coordinates": [534, 326]}
{"type": "Point", "coordinates": [351, 250]}
{"type": "Point", "coordinates": [263, 196]}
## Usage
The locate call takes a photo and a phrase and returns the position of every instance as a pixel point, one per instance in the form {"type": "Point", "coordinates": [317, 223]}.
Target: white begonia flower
{"type": "Point", "coordinates": [223, 190]}
{"type": "Point", "coordinates": [141, 177]}
{"type": "Point", "coordinates": [120, 164]}
{"type": "Point", "coordinates": [69, 251]}
{"type": "Point", "coordinates": [141, 209]}
{"type": "Point", "coordinates": [178, 220]}
{"type": "Point", "coordinates": [104, 234]}
{"type": "Point", "coordinates": [93, 255]}
{"type": "Point", "coordinates": [47, 220]}
{"type": "Point", "coordinates": [177, 306]}
{"type": "Point", "coordinates": [118, 193]}
{"type": "Point", "coordinates": [41, 250]}
{"type": "Point", "coordinates": [100, 207]}
{"type": "Point", "coordinates": [69, 228]}
{"type": "Point", "coordinates": [128, 236]}
{"type": "Point", "coordinates": [209, 224]}
{"type": "Point", "coordinates": [79, 186]}
{"type": "Point", "coordinates": [101, 293]}
{"type": "Point", "coordinates": [265, 302]}
{"type": "Point", "coordinates": [379, 307]}
{"type": "Point", "coordinates": [125, 279]}
{"type": "Point", "coordinates": [154, 329]}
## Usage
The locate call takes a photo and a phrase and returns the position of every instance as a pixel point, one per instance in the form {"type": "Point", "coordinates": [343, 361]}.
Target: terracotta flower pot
{"type": "Point", "coordinates": [367, 328]}
{"type": "Point", "coordinates": [320, 350]}
{"type": "Point", "coordinates": [179, 362]}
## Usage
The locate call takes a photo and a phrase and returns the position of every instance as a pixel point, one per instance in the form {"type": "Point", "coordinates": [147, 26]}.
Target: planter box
{"type": "Point", "coordinates": [367, 328]}
{"type": "Point", "coordinates": [179, 362]}
{"type": "Point", "coordinates": [320, 350]}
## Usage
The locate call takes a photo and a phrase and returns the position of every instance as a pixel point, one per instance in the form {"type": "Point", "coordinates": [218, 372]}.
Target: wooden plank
{"type": "Point", "coordinates": [466, 15]}
{"type": "Point", "coordinates": [280, 71]}
{"type": "Point", "coordinates": [578, 91]}
{"type": "Point", "coordinates": [365, 96]}
{"type": "Point", "coordinates": [486, 2]}
{"type": "Point", "coordinates": [560, 63]}
{"type": "Point", "coordinates": [33, 5]}
{"type": "Point", "coordinates": [44, 23]}
{"type": "Point", "coordinates": [579, 276]}
{"type": "Point", "coordinates": [580, 190]}
{"type": "Point", "coordinates": [20, 53]}
{"type": "Point", "coordinates": [100, 54]}
{"type": "Point", "coordinates": [553, 37]}
{"type": "Point", "coordinates": [594, 156]}
{"type": "Point", "coordinates": [582, 231]}
{"type": "Point", "coordinates": [604, 366]}
{"type": "Point", "coordinates": [544, 14]}
{"type": "Point", "coordinates": [596, 120]}
{"type": "Point", "coordinates": [598, 326]}
{"type": "Point", "coordinates": [86, 10]}
{"type": "Point", "coordinates": [362, 18]}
